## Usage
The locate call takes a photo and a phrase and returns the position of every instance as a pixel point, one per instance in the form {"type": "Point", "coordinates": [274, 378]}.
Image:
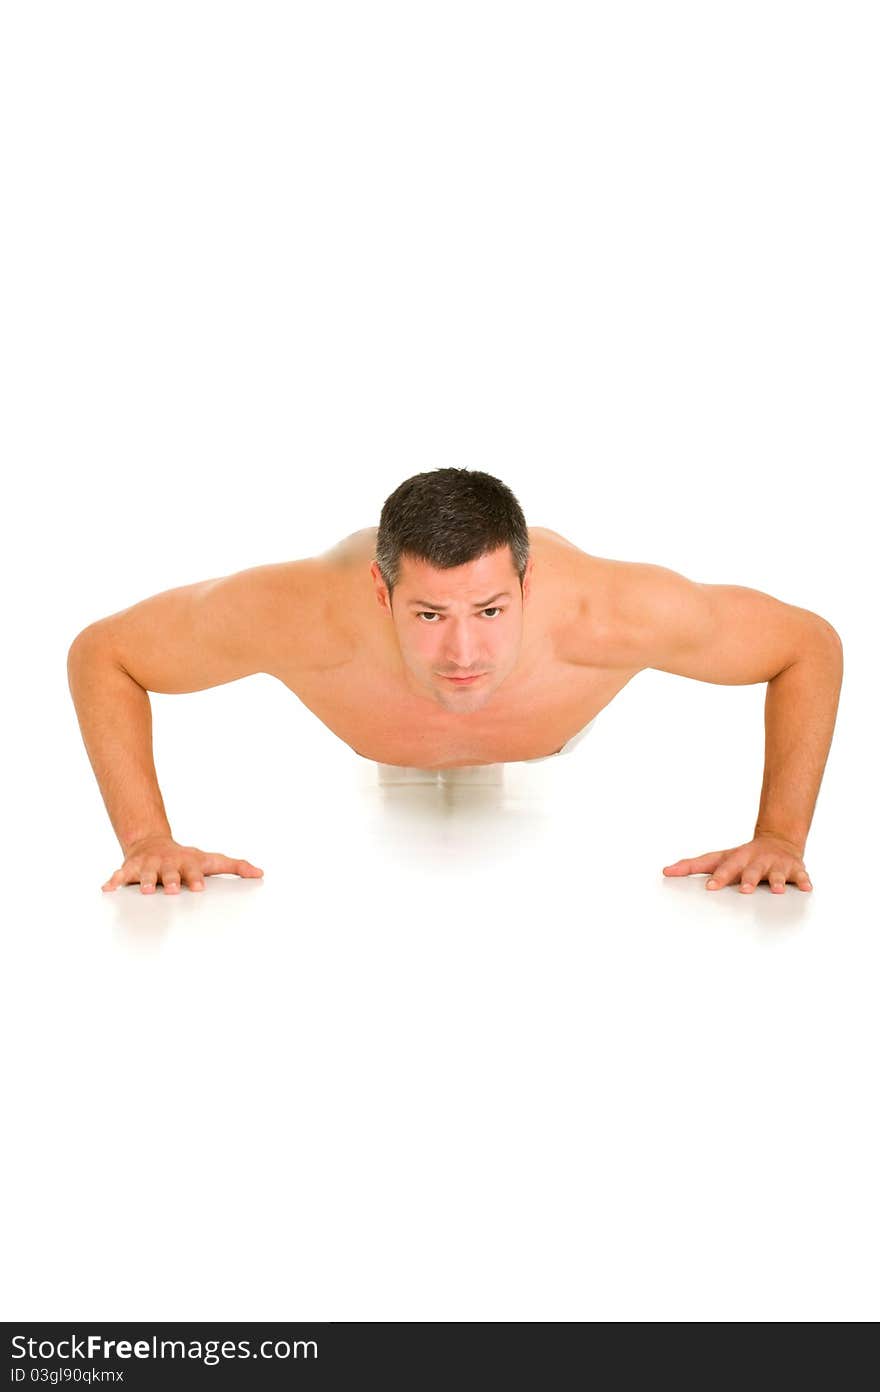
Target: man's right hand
{"type": "Point", "coordinates": [160, 858]}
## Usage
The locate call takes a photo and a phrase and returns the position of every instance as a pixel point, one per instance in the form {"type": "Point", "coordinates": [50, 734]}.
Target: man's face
{"type": "Point", "coordinates": [458, 623]}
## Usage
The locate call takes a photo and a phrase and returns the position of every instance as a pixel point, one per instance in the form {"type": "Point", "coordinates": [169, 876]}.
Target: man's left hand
{"type": "Point", "coordinates": [766, 858]}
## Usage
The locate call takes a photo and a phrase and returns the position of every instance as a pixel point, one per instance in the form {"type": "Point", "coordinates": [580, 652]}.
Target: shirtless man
{"type": "Point", "coordinates": [454, 635]}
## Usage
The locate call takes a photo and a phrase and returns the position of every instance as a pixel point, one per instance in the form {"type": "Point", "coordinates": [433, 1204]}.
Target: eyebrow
{"type": "Point", "coordinates": [441, 608]}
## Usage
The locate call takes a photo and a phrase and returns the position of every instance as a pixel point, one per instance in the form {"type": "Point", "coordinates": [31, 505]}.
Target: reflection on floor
{"type": "Point", "coordinates": [474, 775]}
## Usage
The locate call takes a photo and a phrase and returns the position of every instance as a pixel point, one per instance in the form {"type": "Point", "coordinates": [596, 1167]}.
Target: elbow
{"type": "Point", "coordinates": [832, 647]}
{"type": "Point", "coordinates": [80, 641]}
{"type": "Point", "coordinates": [827, 631]}
{"type": "Point", "coordinates": [85, 642]}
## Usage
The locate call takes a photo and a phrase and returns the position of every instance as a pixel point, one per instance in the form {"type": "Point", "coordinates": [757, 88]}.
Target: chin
{"type": "Point", "coordinates": [464, 699]}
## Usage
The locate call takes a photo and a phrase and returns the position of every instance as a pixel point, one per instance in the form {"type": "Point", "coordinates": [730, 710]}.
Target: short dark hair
{"type": "Point", "coordinates": [448, 517]}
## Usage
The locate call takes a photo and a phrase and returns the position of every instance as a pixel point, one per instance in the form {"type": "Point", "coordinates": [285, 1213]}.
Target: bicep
{"type": "Point", "coordinates": [727, 634]}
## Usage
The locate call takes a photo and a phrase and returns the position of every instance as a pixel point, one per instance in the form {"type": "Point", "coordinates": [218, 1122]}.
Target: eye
{"type": "Point", "coordinates": [493, 609]}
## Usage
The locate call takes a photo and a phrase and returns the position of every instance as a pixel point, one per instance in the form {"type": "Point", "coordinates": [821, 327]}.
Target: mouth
{"type": "Point", "coordinates": [466, 681]}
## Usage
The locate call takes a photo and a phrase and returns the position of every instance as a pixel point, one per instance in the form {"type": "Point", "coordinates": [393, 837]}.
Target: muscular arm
{"type": "Point", "coordinates": [266, 619]}
{"type": "Point", "coordinates": [726, 634]}
{"type": "Point", "coordinates": [731, 635]}
{"type": "Point", "coordinates": [194, 637]}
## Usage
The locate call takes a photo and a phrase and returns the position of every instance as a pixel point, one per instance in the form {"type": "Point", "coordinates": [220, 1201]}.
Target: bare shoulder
{"type": "Point", "coordinates": [292, 606]}
{"type": "Point", "coordinates": [352, 549]}
{"type": "Point", "coordinates": [589, 601]}
{"type": "Point", "coordinates": [308, 599]}
{"type": "Point", "coordinates": [599, 602]}
{"type": "Point", "coordinates": [332, 592]}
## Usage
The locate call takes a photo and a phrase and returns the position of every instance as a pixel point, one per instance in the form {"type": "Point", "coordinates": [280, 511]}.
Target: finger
{"type": "Point", "coordinates": [148, 877]}
{"type": "Point", "coordinates": [728, 870]}
{"type": "Point", "coordinates": [252, 871]}
{"type": "Point", "coordinates": [192, 875]}
{"type": "Point", "coordinates": [170, 877]}
{"type": "Point", "coordinates": [237, 867]}
{"type": "Point", "coordinates": [803, 881]}
{"type": "Point", "coordinates": [777, 882]}
{"type": "Point", "coordinates": [115, 879]}
{"type": "Point", "coordinates": [753, 874]}
{"type": "Point", "coordinates": [698, 866]}
{"type": "Point", "coordinates": [225, 865]}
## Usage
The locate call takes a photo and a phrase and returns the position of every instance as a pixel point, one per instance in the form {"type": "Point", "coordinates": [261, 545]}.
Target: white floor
{"type": "Point", "coordinates": [463, 1053]}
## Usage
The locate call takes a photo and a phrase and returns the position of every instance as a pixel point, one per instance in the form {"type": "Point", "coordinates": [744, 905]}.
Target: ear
{"type": "Point", "coordinates": [381, 588]}
{"type": "Point", "coordinates": [527, 578]}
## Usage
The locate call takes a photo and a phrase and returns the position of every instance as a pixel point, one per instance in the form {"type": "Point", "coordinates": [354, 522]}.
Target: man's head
{"type": "Point", "coordinates": [452, 572]}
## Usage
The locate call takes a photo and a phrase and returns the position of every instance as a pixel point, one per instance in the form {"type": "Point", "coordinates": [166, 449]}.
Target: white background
{"type": "Point", "coordinates": [459, 1055]}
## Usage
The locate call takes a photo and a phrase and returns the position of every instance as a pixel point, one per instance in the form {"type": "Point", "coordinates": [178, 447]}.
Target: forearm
{"type": "Point", "coordinates": [800, 712]}
{"type": "Point", "coordinates": [116, 723]}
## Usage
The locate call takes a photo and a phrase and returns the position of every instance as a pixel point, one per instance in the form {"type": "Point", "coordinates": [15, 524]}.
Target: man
{"type": "Point", "coordinates": [453, 635]}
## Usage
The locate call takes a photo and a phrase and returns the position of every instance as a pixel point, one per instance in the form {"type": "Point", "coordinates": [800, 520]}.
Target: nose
{"type": "Point", "coordinates": [462, 655]}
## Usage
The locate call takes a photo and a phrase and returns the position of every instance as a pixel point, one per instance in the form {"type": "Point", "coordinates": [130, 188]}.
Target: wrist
{"type": "Point", "coordinates": [791, 838]}
{"type": "Point", "coordinates": [159, 831]}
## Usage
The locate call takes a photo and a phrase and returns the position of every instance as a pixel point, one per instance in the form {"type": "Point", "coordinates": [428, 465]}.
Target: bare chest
{"type": "Point", "coordinates": [367, 703]}
{"type": "Point", "coordinates": [380, 722]}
